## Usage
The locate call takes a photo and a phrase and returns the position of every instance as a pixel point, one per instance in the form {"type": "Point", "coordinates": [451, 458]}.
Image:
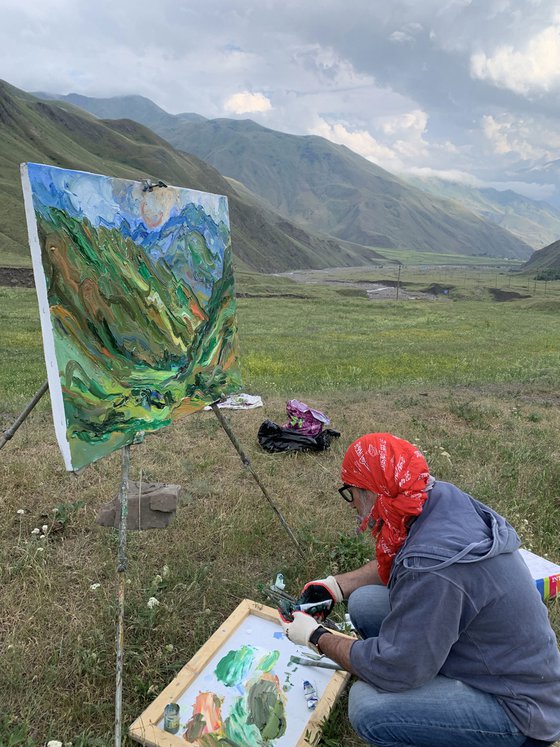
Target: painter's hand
{"type": "Point", "coordinates": [322, 590]}
{"type": "Point", "coordinates": [300, 629]}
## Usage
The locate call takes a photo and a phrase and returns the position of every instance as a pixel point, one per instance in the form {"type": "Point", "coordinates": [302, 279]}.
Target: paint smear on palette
{"type": "Point", "coordinates": [235, 666]}
{"type": "Point", "coordinates": [268, 661]}
{"type": "Point", "coordinates": [206, 717]}
{"type": "Point", "coordinates": [255, 718]}
{"type": "Point", "coordinates": [137, 304]}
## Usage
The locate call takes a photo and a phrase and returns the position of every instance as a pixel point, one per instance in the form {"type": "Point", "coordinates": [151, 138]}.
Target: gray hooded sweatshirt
{"type": "Point", "coordinates": [464, 605]}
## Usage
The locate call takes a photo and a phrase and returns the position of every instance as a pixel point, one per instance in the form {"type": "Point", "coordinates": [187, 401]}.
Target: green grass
{"type": "Point", "coordinates": [409, 257]}
{"type": "Point", "coordinates": [345, 343]}
{"type": "Point", "coordinates": [473, 383]}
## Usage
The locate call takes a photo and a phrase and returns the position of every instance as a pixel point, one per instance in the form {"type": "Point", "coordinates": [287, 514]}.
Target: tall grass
{"type": "Point", "coordinates": [474, 384]}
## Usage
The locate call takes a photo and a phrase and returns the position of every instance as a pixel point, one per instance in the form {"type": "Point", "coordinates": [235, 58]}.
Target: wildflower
{"type": "Point", "coordinates": [43, 537]}
{"type": "Point", "coordinates": [158, 579]}
{"type": "Point", "coordinates": [45, 528]}
{"type": "Point", "coordinates": [40, 549]}
{"type": "Point", "coordinates": [165, 571]}
{"type": "Point", "coordinates": [169, 647]}
{"type": "Point", "coordinates": [93, 587]}
{"type": "Point", "coordinates": [20, 511]}
{"type": "Point", "coordinates": [152, 602]}
{"type": "Point", "coordinates": [35, 531]}
{"type": "Point", "coordinates": [54, 743]}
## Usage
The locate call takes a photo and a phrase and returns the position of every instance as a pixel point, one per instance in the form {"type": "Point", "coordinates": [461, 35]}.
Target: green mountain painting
{"type": "Point", "coordinates": [137, 304]}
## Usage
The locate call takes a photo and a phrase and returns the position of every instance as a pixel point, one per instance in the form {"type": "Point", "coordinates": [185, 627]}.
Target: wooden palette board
{"type": "Point", "coordinates": [250, 624]}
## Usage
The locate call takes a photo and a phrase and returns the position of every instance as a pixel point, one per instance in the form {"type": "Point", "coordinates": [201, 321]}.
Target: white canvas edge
{"type": "Point", "coordinates": [55, 389]}
{"type": "Point", "coordinates": [538, 566]}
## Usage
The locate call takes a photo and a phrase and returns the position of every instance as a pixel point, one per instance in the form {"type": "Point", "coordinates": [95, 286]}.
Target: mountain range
{"type": "Point", "coordinates": [54, 133]}
{"type": "Point", "coordinates": [534, 221]}
{"type": "Point", "coordinates": [321, 186]}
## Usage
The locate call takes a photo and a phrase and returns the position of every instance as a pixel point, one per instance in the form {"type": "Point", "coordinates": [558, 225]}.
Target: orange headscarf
{"type": "Point", "coordinates": [397, 472]}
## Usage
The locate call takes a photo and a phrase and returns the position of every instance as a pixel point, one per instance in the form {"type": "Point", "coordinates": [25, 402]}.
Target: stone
{"type": "Point", "coordinates": [151, 505]}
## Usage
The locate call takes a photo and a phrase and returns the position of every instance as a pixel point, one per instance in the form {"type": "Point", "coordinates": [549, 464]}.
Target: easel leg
{"type": "Point", "coordinates": [121, 571]}
{"type": "Point", "coordinates": [9, 432]}
{"type": "Point", "coordinates": [247, 463]}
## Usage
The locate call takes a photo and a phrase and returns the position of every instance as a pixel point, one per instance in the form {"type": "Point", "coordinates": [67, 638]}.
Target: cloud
{"type": "Point", "coordinates": [536, 67]}
{"type": "Point", "coordinates": [448, 175]}
{"type": "Point", "coordinates": [413, 121]}
{"type": "Point", "coordinates": [519, 137]}
{"type": "Point", "coordinates": [454, 86]}
{"type": "Point", "coordinates": [245, 102]}
{"type": "Point", "coordinates": [360, 141]}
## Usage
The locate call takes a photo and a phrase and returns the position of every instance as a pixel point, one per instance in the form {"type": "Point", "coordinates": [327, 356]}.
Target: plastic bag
{"type": "Point", "coordinates": [304, 419]}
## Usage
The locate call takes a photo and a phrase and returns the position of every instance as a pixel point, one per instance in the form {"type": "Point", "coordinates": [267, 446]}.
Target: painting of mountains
{"type": "Point", "coordinates": [137, 304]}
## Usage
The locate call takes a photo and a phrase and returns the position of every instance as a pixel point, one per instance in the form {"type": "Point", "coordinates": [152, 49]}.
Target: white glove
{"type": "Point", "coordinates": [300, 629]}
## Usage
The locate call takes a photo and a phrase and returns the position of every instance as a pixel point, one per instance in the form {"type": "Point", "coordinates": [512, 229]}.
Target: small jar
{"type": "Point", "coordinates": [171, 718]}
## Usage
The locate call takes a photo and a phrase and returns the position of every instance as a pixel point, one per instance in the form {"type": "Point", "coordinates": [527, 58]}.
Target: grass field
{"type": "Point", "coordinates": [473, 382]}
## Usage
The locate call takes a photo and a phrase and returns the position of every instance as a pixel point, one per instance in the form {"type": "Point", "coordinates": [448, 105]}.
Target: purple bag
{"type": "Point", "coordinates": [304, 419]}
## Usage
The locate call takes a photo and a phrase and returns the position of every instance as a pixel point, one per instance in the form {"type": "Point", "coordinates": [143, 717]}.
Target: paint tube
{"type": "Point", "coordinates": [310, 694]}
{"type": "Point", "coordinates": [279, 583]}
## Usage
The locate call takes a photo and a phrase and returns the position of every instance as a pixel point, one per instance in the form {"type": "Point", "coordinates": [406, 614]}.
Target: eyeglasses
{"type": "Point", "coordinates": [346, 493]}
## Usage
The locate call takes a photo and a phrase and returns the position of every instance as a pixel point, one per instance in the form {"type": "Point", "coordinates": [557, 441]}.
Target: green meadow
{"type": "Point", "coordinates": [471, 380]}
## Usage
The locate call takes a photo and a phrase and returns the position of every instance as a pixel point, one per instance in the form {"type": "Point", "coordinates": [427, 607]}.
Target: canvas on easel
{"type": "Point", "coordinates": [243, 689]}
{"type": "Point", "coordinates": [136, 301]}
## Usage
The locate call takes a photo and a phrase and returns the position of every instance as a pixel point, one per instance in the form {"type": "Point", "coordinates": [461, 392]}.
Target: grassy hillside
{"type": "Point", "coordinates": [322, 184]}
{"type": "Point", "coordinates": [325, 186]}
{"type": "Point", "coordinates": [54, 133]}
{"type": "Point", "coordinates": [545, 264]}
{"type": "Point", "coordinates": [535, 222]}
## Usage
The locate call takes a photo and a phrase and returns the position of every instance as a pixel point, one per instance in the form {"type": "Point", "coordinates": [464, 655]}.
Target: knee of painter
{"type": "Point", "coordinates": [357, 606]}
{"type": "Point", "coordinates": [367, 606]}
{"type": "Point", "coordinates": [360, 712]}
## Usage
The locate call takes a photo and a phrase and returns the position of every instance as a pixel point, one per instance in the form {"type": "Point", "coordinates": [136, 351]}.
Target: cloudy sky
{"type": "Point", "coordinates": [465, 89]}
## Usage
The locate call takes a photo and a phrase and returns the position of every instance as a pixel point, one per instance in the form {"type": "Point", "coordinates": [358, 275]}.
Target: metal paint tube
{"type": "Point", "coordinates": [310, 694]}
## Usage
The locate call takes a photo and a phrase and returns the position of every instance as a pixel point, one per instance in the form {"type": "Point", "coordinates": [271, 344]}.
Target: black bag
{"type": "Point", "coordinates": [272, 437]}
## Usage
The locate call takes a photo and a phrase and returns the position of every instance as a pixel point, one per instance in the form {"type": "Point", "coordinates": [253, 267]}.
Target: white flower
{"type": "Point", "coordinates": [43, 537]}
{"type": "Point", "coordinates": [93, 587]}
{"type": "Point", "coordinates": [158, 579]}
{"type": "Point", "coordinates": [20, 511]}
{"type": "Point", "coordinates": [40, 549]}
{"type": "Point", "coordinates": [45, 528]}
{"type": "Point", "coordinates": [169, 647]}
{"type": "Point", "coordinates": [54, 743]}
{"type": "Point", "coordinates": [35, 531]}
{"type": "Point", "coordinates": [152, 602]}
{"type": "Point", "coordinates": [165, 571]}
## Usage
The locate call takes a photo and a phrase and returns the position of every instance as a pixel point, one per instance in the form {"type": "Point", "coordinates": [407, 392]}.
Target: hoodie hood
{"type": "Point", "coordinates": [455, 528]}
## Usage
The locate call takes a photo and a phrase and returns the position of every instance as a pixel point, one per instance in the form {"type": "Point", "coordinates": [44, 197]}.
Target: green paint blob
{"type": "Point", "coordinates": [239, 731]}
{"type": "Point", "coordinates": [266, 709]}
{"type": "Point", "coordinates": [235, 666]}
{"type": "Point", "coordinates": [268, 661]}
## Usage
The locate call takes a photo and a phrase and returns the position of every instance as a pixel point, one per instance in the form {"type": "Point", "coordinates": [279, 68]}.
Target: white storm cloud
{"type": "Point", "coordinates": [245, 102]}
{"type": "Point", "coordinates": [535, 67]}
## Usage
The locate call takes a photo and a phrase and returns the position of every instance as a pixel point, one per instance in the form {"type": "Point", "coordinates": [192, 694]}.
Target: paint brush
{"type": "Point", "coordinates": [314, 663]}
